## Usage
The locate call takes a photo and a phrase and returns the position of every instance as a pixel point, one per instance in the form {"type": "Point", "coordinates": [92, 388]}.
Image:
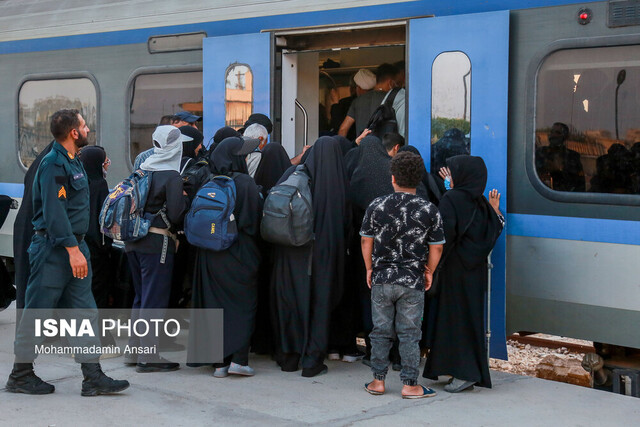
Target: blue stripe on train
{"type": "Point", "coordinates": [571, 228]}
{"type": "Point", "coordinates": [11, 189]}
{"type": "Point", "coordinates": [254, 25]}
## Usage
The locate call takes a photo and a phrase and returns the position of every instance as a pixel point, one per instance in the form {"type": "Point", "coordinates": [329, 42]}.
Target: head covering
{"type": "Point", "coordinates": [273, 164]}
{"type": "Point", "coordinates": [365, 79]}
{"type": "Point", "coordinates": [225, 158]}
{"type": "Point", "coordinates": [92, 158]}
{"type": "Point", "coordinates": [469, 174]}
{"type": "Point", "coordinates": [372, 176]}
{"type": "Point", "coordinates": [185, 116]}
{"type": "Point", "coordinates": [221, 134]}
{"type": "Point", "coordinates": [167, 152]}
{"type": "Point", "coordinates": [189, 147]}
{"type": "Point", "coordinates": [260, 119]}
{"type": "Point", "coordinates": [345, 144]}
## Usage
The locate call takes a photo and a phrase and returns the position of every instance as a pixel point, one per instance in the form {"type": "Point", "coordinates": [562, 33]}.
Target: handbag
{"type": "Point", "coordinates": [435, 285]}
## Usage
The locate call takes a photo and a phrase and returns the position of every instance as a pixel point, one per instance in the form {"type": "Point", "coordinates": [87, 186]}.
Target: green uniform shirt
{"type": "Point", "coordinates": [61, 197]}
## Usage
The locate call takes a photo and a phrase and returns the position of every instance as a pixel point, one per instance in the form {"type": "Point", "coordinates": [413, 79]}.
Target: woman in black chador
{"type": "Point", "coordinates": [273, 163]}
{"type": "Point", "coordinates": [471, 225]}
{"type": "Point", "coordinates": [228, 279]}
{"type": "Point", "coordinates": [304, 298]}
{"type": "Point", "coordinates": [94, 160]}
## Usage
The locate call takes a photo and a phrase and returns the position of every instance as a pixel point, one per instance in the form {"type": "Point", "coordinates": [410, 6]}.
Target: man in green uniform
{"type": "Point", "coordinates": [60, 275]}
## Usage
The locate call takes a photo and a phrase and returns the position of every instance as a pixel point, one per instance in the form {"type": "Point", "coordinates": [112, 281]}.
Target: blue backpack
{"type": "Point", "coordinates": [210, 223]}
{"type": "Point", "coordinates": [122, 215]}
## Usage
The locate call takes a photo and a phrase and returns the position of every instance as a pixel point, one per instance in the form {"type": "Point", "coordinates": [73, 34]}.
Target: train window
{"type": "Point", "coordinates": [238, 95]}
{"type": "Point", "coordinates": [39, 99]}
{"type": "Point", "coordinates": [158, 95]}
{"type": "Point", "coordinates": [450, 107]}
{"type": "Point", "coordinates": [587, 126]}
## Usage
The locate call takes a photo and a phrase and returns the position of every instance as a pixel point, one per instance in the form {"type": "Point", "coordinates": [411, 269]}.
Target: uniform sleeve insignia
{"type": "Point", "coordinates": [62, 193]}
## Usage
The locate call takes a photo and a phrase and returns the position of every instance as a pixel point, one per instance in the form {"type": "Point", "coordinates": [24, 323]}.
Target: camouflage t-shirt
{"type": "Point", "coordinates": [402, 226]}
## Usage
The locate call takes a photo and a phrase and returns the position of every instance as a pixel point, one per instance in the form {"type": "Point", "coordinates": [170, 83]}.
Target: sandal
{"type": "Point", "coordinates": [373, 392]}
{"type": "Point", "coordinates": [426, 392]}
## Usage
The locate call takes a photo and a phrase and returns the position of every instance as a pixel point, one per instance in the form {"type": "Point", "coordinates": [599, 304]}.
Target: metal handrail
{"type": "Point", "coordinates": [306, 121]}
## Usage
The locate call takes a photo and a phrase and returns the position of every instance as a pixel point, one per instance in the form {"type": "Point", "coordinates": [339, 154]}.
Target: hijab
{"type": "Point", "coordinates": [167, 152]}
{"type": "Point", "coordinates": [273, 164]}
{"type": "Point", "coordinates": [189, 147]}
{"type": "Point", "coordinates": [372, 176]}
{"type": "Point", "coordinates": [221, 134]}
{"type": "Point", "coordinates": [92, 158]}
{"type": "Point", "coordinates": [223, 161]}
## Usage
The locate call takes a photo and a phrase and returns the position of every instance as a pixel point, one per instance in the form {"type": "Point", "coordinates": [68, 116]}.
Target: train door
{"type": "Point", "coordinates": [458, 78]}
{"type": "Point", "coordinates": [236, 80]}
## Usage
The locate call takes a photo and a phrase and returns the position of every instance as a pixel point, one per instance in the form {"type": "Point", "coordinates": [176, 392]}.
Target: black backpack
{"type": "Point", "coordinates": [194, 176]}
{"type": "Point", "coordinates": [287, 217]}
{"type": "Point", "coordinates": [383, 120]}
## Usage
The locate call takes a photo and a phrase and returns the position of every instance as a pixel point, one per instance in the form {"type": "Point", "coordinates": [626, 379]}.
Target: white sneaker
{"type": "Point", "coordinates": [221, 372]}
{"type": "Point", "coordinates": [333, 356]}
{"type": "Point", "coordinates": [236, 369]}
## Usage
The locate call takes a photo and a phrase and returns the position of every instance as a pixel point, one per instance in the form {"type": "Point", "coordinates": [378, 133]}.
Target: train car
{"type": "Point", "coordinates": [546, 92]}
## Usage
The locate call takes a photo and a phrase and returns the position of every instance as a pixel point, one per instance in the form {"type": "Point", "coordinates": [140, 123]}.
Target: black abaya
{"type": "Point", "coordinates": [23, 230]}
{"type": "Point", "coordinates": [273, 163]}
{"type": "Point", "coordinates": [228, 279]}
{"type": "Point", "coordinates": [458, 345]}
{"type": "Point", "coordinates": [304, 303]}
{"type": "Point", "coordinates": [92, 158]}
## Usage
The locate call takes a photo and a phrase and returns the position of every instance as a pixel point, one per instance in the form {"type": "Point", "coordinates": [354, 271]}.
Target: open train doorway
{"type": "Point", "coordinates": [315, 68]}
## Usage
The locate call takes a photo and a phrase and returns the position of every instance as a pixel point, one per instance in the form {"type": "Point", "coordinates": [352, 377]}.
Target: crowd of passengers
{"type": "Point", "coordinates": [385, 231]}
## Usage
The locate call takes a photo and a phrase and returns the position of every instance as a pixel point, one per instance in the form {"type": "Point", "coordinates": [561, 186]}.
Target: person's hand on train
{"type": "Point", "coordinates": [445, 174]}
{"type": "Point", "coordinates": [494, 200]}
{"type": "Point", "coordinates": [362, 135]}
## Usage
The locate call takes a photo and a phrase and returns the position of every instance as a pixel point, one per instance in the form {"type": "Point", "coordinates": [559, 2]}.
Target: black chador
{"type": "Point", "coordinates": [305, 297]}
{"type": "Point", "coordinates": [273, 163]}
{"type": "Point", "coordinates": [228, 279]}
{"type": "Point", "coordinates": [457, 340]}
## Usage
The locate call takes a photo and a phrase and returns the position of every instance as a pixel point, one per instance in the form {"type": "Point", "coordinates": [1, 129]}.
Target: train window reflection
{"type": "Point", "coordinates": [39, 99]}
{"type": "Point", "coordinates": [587, 120]}
{"type": "Point", "coordinates": [238, 95]}
{"type": "Point", "coordinates": [158, 95]}
{"type": "Point", "coordinates": [450, 107]}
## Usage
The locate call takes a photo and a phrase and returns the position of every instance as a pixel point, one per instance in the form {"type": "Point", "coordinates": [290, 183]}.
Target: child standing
{"type": "Point", "coordinates": [402, 241]}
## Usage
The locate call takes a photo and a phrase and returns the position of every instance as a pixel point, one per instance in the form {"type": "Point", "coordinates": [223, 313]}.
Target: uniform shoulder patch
{"type": "Point", "coordinates": [61, 179]}
{"type": "Point", "coordinates": [62, 192]}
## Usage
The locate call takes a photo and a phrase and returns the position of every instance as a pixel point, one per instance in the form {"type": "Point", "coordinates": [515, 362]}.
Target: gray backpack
{"type": "Point", "coordinates": [287, 217]}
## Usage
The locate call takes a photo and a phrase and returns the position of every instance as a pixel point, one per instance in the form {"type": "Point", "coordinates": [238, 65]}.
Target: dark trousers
{"type": "Point", "coordinates": [152, 283]}
{"type": "Point", "coordinates": [241, 357]}
{"type": "Point", "coordinates": [52, 285]}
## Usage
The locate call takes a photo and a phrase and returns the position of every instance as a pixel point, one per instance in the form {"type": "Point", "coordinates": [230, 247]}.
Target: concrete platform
{"type": "Point", "coordinates": [193, 397]}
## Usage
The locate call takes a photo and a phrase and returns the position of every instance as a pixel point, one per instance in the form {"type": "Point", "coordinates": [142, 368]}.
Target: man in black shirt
{"type": "Point", "coordinates": [402, 241]}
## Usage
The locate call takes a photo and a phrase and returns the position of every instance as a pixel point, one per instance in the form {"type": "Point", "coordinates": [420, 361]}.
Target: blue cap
{"type": "Point", "coordinates": [187, 117]}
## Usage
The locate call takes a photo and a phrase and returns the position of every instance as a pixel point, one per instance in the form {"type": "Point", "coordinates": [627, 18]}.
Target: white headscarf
{"type": "Point", "coordinates": [167, 152]}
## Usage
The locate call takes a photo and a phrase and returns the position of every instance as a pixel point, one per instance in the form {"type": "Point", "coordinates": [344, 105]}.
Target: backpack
{"type": "Point", "coordinates": [287, 217]}
{"type": "Point", "coordinates": [383, 119]}
{"type": "Point", "coordinates": [122, 215]}
{"type": "Point", "coordinates": [210, 223]}
{"type": "Point", "coordinates": [194, 175]}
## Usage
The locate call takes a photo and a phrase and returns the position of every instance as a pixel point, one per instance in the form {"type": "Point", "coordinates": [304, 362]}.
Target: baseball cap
{"type": "Point", "coordinates": [187, 117]}
{"type": "Point", "coordinates": [249, 145]}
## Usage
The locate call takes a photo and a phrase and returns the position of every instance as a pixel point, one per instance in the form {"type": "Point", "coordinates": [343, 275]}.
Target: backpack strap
{"type": "Point", "coordinates": [186, 165]}
{"type": "Point", "coordinates": [391, 96]}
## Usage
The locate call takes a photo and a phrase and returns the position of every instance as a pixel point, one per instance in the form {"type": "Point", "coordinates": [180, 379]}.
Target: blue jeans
{"type": "Point", "coordinates": [396, 310]}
